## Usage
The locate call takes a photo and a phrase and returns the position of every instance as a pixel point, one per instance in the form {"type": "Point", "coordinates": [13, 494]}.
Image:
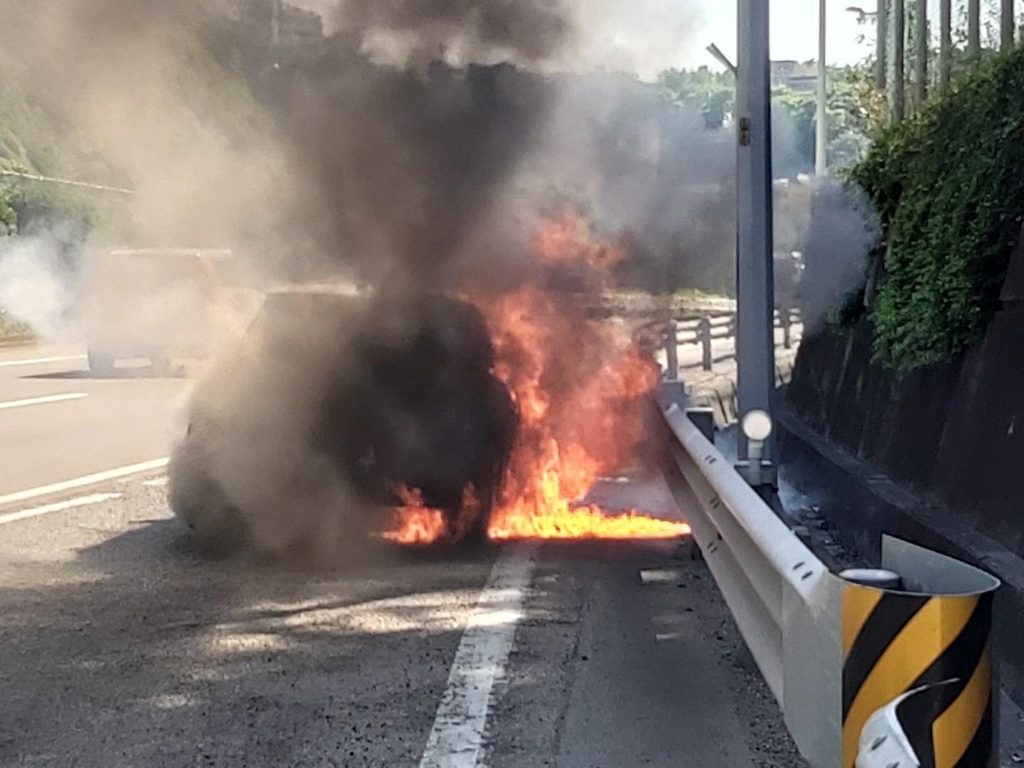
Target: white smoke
{"type": "Point", "coordinates": [35, 284]}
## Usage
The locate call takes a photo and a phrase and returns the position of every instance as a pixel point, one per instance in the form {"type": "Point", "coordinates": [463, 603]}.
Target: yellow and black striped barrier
{"type": "Point", "coordinates": [932, 637]}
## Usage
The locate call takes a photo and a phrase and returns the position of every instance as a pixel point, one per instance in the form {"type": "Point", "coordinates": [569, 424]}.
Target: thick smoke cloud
{"type": "Point", "coordinates": [405, 169]}
{"type": "Point", "coordinates": [642, 37]}
{"type": "Point", "coordinates": [435, 178]}
{"type": "Point", "coordinates": [478, 31]}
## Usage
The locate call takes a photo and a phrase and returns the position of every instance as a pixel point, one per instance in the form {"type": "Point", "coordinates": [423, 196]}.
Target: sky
{"type": "Point", "coordinates": [793, 30]}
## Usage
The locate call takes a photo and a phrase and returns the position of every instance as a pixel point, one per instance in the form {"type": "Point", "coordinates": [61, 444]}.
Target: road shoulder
{"type": "Point", "coordinates": [628, 656]}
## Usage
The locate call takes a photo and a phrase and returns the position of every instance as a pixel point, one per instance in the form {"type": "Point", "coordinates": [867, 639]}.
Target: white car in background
{"type": "Point", "coordinates": [166, 306]}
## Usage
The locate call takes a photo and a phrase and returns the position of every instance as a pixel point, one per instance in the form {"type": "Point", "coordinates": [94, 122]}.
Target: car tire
{"type": "Point", "coordinates": [217, 527]}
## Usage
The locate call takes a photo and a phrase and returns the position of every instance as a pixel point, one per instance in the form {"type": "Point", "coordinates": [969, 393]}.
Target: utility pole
{"type": "Point", "coordinates": [821, 119]}
{"type": "Point", "coordinates": [899, 20]}
{"type": "Point", "coordinates": [881, 43]}
{"type": "Point", "coordinates": [945, 43]}
{"type": "Point", "coordinates": [755, 349]}
{"type": "Point", "coordinates": [973, 27]}
{"type": "Point", "coordinates": [920, 53]}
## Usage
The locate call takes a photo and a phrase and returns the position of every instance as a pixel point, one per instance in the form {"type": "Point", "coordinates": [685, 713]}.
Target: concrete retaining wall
{"type": "Point", "coordinates": [954, 432]}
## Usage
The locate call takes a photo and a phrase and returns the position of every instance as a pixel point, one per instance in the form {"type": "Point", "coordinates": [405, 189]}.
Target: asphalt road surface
{"type": "Point", "coordinates": [120, 646]}
{"type": "Point", "coordinates": [60, 422]}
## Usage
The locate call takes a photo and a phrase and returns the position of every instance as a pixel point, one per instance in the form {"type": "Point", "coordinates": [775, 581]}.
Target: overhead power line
{"type": "Point", "coordinates": [66, 182]}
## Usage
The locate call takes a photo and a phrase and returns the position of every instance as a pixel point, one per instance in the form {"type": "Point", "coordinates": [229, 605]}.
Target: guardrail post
{"type": "Point", "coordinates": [672, 351]}
{"type": "Point", "coordinates": [787, 340]}
{"type": "Point", "coordinates": [704, 333]}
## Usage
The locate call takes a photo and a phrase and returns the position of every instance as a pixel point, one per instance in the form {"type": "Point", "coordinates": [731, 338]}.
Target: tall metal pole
{"type": "Point", "coordinates": [1006, 25]}
{"type": "Point", "coordinates": [945, 43]}
{"type": "Point", "coordinates": [882, 43]}
{"type": "Point", "coordinates": [754, 279]}
{"type": "Point", "coordinates": [974, 27]}
{"type": "Point", "coordinates": [899, 80]}
{"type": "Point", "coordinates": [920, 53]}
{"type": "Point", "coordinates": [275, 23]}
{"type": "Point", "coordinates": [821, 120]}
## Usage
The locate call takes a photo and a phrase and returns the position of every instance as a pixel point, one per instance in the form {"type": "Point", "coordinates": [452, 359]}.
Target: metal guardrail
{"type": "Point", "coordinates": [704, 328]}
{"type": "Point", "coordinates": [861, 672]}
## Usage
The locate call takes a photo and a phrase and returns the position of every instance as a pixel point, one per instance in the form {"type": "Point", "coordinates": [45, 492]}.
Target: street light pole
{"type": "Point", "coordinates": [821, 121]}
{"type": "Point", "coordinates": [755, 349]}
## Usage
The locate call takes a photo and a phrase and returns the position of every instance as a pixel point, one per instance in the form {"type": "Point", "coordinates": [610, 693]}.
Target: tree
{"type": "Point", "coordinates": [856, 111]}
{"type": "Point", "coordinates": [712, 94]}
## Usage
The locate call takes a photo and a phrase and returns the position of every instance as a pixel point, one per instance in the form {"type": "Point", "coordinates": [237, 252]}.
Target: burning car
{"type": "Point", "coordinates": [422, 416]}
{"type": "Point", "coordinates": [339, 403]}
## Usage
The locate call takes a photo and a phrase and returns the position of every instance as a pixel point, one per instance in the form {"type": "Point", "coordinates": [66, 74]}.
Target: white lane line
{"type": "Point", "coordinates": [41, 360]}
{"type": "Point", "coordinates": [42, 400]}
{"type": "Point", "coordinates": [78, 482]}
{"type": "Point", "coordinates": [456, 740]}
{"type": "Point", "coordinates": [81, 501]}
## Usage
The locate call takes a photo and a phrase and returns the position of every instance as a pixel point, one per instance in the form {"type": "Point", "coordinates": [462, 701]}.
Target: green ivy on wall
{"type": "Point", "coordinates": [948, 186]}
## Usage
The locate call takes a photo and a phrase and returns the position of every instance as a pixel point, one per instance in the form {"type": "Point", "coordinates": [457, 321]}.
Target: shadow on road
{"type": "Point", "coordinates": [140, 652]}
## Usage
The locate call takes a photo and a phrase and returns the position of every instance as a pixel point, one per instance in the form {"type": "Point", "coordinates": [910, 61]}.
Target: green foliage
{"type": "Point", "coordinates": [8, 215]}
{"type": "Point", "coordinates": [949, 190]}
{"type": "Point", "coordinates": [856, 111]}
{"type": "Point", "coordinates": [712, 94]}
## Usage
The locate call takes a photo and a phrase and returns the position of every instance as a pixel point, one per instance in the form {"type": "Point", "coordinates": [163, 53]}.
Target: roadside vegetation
{"type": "Point", "coordinates": [948, 187]}
{"type": "Point", "coordinates": [40, 132]}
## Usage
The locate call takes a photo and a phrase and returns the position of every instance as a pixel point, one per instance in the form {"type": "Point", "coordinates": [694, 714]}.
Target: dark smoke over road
{"type": "Point", "coordinates": [473, 30]}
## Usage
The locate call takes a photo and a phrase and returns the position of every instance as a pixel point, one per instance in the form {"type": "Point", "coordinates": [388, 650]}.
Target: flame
{"type": "Point", "coordinates": [578, 386]}
{"type": "Point", "coordinates": [414, 522]}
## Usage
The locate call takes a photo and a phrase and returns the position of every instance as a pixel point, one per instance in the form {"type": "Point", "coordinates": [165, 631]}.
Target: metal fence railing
{"type": "Point", "coordinates": [705, 328]}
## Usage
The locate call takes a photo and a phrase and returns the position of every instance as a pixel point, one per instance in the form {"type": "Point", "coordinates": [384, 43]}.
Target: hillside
{"type": "Point", "coordinates": [137, 95]}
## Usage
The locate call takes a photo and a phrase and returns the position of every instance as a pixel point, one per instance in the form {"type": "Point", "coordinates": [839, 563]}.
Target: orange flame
{"type": "Point", "coordinates": [578, 387]}
{"type": "Point", "coordinates": [414, 522]}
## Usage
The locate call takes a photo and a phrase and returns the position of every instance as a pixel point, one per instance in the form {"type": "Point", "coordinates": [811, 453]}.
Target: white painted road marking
{"type": "Point", "coordinates": [81, 501]}
{"type": "Point", "coordinates": [41, 360]}
{"type": "Point", "coordinates": [98, 477]}
{"type": "Point", "coordinates": [456, 739]}
{"type": "Point", "coordinates": [42, 400]}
